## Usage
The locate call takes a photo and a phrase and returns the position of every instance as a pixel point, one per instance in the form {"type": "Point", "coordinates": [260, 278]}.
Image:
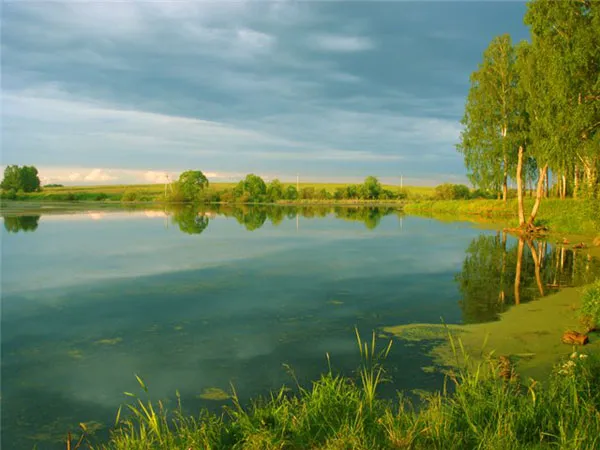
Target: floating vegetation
{"type": "Point", "coordinates": [214, 393]}
{"type": "Point", "coordinates": [113, 341]}
{"type": "Point", "coordinates": [335, 302]}
{"type": "Point", "coordinates": [418, 332]}
{"type": "Point", "coordinates": [75, 354]}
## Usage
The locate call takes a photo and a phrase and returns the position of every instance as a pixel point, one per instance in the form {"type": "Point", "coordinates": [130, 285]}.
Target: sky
{"type": "Point", "coordinates": [126, 92]}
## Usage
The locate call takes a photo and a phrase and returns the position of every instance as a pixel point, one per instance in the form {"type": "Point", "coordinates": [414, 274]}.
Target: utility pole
{"type": "Point", "coordinates": [401, 181]}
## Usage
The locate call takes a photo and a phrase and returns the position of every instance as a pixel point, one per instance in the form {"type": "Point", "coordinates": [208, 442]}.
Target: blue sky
{"type": "Point", "coordinates": [109, 92]}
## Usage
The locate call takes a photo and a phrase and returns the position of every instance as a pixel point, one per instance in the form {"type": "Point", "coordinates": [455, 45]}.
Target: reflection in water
{"type": "Point", "coordinates": [496, 274]}
{"type": "Point", "coordinates": [190, 221]}
{"type": "Point", "coordinates": [14, 224]}
{"type": "Point", "coordinates": [195, 219]}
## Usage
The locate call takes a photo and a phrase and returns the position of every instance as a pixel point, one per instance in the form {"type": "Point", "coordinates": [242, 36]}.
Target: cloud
{"type": "Point", "coordinates": [99, 175]}
{"type": "Point", "coordinates": [235, 87]}
{"type": "Point", "coordinates": [339, 43]}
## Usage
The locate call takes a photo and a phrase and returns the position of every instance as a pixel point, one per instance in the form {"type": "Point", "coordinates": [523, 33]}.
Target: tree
{"type": "Point", "coordinates": [251, 189]}
{"type": "Point", "coordinates": [30, 179]}
{"type": "Point", "coordinates": [275, 190]}
{"type": "Point", "coordinates": [190, 184]}
{"type": "Point", "coordinates": [371, 188]}
{"type": "Point", "coordinates": [487, 140]}
{"type": "Point", "coordinates": [565, 88]}
{"type": "Point", "coordinates": [24, 179]}
{"type": "Point", "coordinates": [291, 193]}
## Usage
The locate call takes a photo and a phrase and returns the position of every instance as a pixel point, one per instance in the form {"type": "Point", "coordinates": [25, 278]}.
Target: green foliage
{"type": "Point", "coordinates": [590, 309]}
{"type": "Point", "coordinates": [17, 179]}
{"type": "Point", "coordinates": [371, 189]}
{"type": "Point", "coordinates": [189, 185]}
{"type": "Point", "coordinates": [53, 185]}
{"type": "Point", "coordinates": [448, 191]}
{"type": "Point", "coordinates": [252, 189]}
{"type": "Point", "coordinates": [129, 196]}
{"type": "Point", "coordinates": [275, 191]}
{"type": "Point", "coordinates": [491, 117]}
{"type": "Point", "coordinates": [291, 193]}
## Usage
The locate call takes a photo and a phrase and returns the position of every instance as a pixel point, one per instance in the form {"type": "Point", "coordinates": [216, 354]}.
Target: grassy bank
{"type": "Point", "coordinates": [565, 216]}
{"type": "Point", "coordinates": [483, 408]}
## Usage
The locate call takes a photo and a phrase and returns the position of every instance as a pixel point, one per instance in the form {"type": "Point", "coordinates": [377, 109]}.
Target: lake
{"type": "Point", "coordinates": [193, 300]}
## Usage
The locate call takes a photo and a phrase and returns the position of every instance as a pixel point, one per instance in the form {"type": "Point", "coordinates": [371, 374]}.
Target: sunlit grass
{"type": "Point", "coordinates": [567, 216]}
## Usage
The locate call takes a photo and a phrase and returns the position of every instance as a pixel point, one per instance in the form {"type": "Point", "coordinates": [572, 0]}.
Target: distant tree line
{"type": "Point", "coordinates": [533, 109]}
{"type": "Point", "coordinates": [20, 179]}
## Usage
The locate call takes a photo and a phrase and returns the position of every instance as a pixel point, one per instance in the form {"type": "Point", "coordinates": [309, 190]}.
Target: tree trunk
{"type": "Point", "coordinates": [563, 194]}
{"type": "Point", "coordinates": [538, 194]}
{"type": "Point", "coordinates": [518, 272]}
{"type": "Point", "coordinates": [575, 181]}
{"type": "Point", "coordinates": [520, 187]}
{"type": "Point", "coordinates": [547, 188]}
{"type": "Point", "coordinates": [505, 179]}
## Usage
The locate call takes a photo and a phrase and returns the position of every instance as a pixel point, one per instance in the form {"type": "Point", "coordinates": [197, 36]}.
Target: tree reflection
{"type": "Point", "coordinates": [499, 271]}
{"type": "Point", "coordinates": [190, 220]}
{"type": "Point", "coordinates": [254, 217]}
{"type": "Point", "coordinates": [14, 224]}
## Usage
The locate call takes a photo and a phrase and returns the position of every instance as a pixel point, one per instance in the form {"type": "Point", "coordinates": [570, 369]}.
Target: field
{"type": "Point", "coordinates": [152, 192]}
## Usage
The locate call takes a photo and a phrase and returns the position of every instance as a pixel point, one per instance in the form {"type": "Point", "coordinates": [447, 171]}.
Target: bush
{"type": "Point", "coordinates": [590, 308]}
{"type": "Point", "coordinates": [9, 194]}
{"type": "Point", "coordinates": [448, 191]}
{"type": "Point", "coordinates": [129, 196]}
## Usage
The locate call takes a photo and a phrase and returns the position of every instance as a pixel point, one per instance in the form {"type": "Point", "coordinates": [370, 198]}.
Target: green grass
{"type": "Point", "coordinates": [567, 216]}
{"type": "Point", "coordinates": [590, 309]}
{"type": "Point", "coordinates": [482, 408]}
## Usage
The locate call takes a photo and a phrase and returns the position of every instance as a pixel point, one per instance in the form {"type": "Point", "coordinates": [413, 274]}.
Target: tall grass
{"type": "Point", "coordinates": [484, 410]}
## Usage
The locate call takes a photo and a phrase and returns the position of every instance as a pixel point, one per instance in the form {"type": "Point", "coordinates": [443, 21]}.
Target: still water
{"type": "Point", "coordinates": [195, 300]}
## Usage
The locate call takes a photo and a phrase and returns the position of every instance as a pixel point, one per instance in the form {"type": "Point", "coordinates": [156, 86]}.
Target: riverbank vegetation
{"type": "Point", "coordinates": [533, 109]}
{"type": "Point", "coordinates": [483, 405]}
{"type": "Point", "coordinates": [577, 216]}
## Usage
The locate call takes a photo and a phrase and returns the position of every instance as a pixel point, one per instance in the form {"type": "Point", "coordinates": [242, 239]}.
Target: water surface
{"type": "Point", "coordinates": [192, 300]}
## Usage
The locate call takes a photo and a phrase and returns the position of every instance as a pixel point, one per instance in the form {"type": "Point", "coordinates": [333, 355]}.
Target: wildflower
{"type": "Point", "coordinates": [582, 356]}
{"type": "Point", "coordinates": [573, 355]}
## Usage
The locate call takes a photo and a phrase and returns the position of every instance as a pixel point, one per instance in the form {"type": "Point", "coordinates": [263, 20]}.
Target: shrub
{"type": "Point", "coordinates": [9, 194]}
{"type": "Point", "coordinates": [129, 196]}
{"type": "Point", "coordinates": [448, 191]}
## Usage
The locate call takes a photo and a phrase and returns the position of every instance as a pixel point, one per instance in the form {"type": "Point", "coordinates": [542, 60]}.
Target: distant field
{"type": "Point", "coordinates": [157, 189]}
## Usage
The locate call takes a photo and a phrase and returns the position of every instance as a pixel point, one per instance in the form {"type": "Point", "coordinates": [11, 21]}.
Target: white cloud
{"type": "Point", "coordinates": [254, 39]}
{"type": "Point", "coordinates": [340, 43]}
{"type": "Point", "coordinates": [99, 175]}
